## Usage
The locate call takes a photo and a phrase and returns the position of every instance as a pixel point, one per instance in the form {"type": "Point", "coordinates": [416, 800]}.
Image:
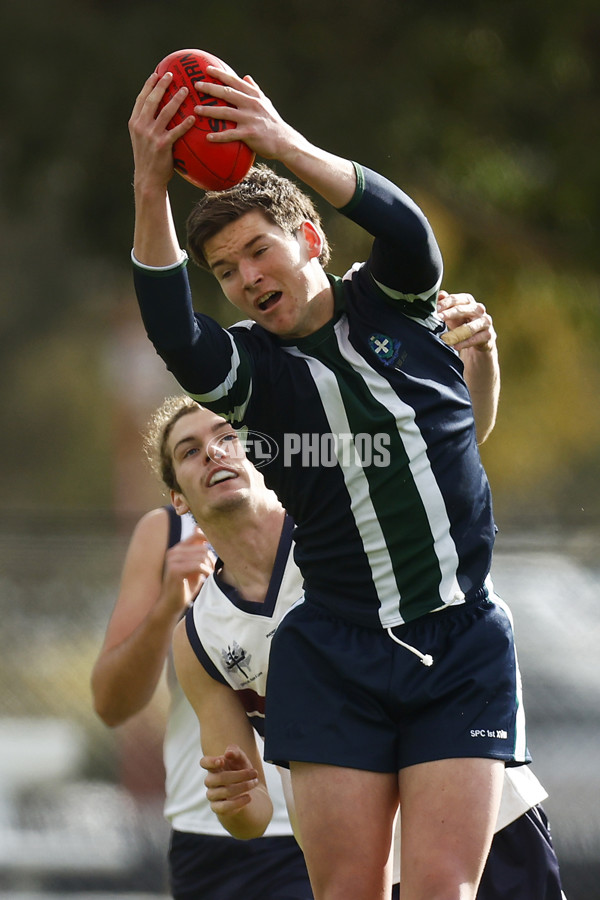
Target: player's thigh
{"type": "Point", "coordinates": [449, 809]}
{"type": "Point", "coordinates": [345, 818]}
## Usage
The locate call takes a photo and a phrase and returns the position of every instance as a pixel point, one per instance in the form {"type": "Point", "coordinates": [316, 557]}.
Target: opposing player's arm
{"type": "Point", "coordinates": [471, 332]}
{"type": "Point", "coordinates": [152, 596]}
{"type": "Point", "coordinates": [131, 660]}
{"type": "Point", "coordinates": [235, 781]}
{"type": "Point", "coordinates": [482, 374]}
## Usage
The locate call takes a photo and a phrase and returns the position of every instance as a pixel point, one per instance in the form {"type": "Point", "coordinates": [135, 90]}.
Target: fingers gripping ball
{"type": "Point", "coordinates": [212, 167]}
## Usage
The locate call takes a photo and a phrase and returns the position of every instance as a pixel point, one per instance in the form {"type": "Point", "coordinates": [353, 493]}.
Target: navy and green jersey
{"type": "Point", "coordinates": [364, 428]}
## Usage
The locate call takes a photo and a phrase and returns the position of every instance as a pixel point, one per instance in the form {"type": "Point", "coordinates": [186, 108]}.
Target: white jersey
{"type": "Point", "coordinates": [231, 636]}
{"type": "Point", "coordinates": [186, 806]}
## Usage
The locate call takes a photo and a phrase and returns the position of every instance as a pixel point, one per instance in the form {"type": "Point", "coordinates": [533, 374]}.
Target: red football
{"type": "Point", "coordinates": [212, 167]}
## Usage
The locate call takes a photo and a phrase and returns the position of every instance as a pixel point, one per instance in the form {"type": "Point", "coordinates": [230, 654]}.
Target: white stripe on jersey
{"type": "Point", "coordinates": [357, 485]}
{"type": "Point", "coordinates": [220, 625]}
{"type": "Point", "coordinates": [223, 389]}
{"type": "Point", "coordinates": [427, 486]}
{"type": "Point", "coordinates": [408, 298]}
{"type": "Point", "coordinates": [369, 529]}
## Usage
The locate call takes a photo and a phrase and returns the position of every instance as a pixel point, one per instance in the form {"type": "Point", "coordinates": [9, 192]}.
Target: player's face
{"type": "Point", "coordinates": [272, 277]}
{"type": "Point", "coordinates": [209, 463]}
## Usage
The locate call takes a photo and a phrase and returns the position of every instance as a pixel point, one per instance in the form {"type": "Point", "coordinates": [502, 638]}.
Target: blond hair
{"type": "Point", "coordinates": [157, 435]}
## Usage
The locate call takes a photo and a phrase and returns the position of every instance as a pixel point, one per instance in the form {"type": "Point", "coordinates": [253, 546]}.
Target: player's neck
{"type": "Point", "coordinates": [248, 552]}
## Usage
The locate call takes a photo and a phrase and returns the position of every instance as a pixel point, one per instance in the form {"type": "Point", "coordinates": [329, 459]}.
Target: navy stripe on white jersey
{"type": "Point", "coordinates": [231, 636]}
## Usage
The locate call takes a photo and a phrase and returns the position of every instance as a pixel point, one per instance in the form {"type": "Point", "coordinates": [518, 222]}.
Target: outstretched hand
{"type": "Point", "coordinates": [469, 324]}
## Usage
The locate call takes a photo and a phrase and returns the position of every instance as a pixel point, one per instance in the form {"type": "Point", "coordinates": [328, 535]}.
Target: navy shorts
{"type": "Point", "coordinates": [522, 863]}
{"type": "Point", "coordinates": [345, 695]}
{"type": "Point", "coordinates": [223, 868]}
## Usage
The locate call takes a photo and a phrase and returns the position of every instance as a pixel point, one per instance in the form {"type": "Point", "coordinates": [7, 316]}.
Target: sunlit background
{"type": "Point", "coordinates": [488, 113]}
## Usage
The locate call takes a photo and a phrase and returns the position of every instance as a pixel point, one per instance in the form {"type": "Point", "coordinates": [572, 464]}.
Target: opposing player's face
{"type": "Point", "coordinates": [272, 277]}
{"type": "Point", "coordinates": [209, 463]}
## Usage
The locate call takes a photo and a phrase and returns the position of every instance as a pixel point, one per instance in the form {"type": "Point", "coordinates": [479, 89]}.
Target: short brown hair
{"type": "Point", "coordinates": [157, 435]}
{"type": "Point", "coordinates": [262, 189]}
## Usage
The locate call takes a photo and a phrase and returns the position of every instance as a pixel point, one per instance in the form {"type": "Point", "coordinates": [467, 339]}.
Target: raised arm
{"type": "Point", "coordinates": [407, 244]}
{"type": "Point", "coordinates": [148, 607]}
{"type": "Point", "coordinates": [236, 786]}
{"type": "Point", "coordinates": [155, 238]}
{"type": "Point", "coordinates": [261, 127]}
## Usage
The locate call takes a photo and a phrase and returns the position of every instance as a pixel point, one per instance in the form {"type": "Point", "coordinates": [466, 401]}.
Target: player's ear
{"type": "Point", "coordinates": [179, 503]}
{"type": "Point", "coordinates": [313, 239]}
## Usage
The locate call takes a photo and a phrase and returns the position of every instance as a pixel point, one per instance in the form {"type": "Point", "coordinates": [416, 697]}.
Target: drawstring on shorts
{"type": "Point", "coordinates": [426, 658]}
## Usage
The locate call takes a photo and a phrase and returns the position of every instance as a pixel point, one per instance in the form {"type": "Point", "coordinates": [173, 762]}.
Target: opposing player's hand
{"type": "Point", "coordinates": [258, 123]}
{"type": "Point", "coordinates": [187, 566]}
{"type": "Point", "coordinates": [469, 324]}
{"type": "Point", "coordinates": [151, 140]}
{"type": "Point", "coordinates": [230, 780]}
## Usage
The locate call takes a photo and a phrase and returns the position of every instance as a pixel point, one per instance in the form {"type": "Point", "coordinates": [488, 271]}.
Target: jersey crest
{"type": "Point", "coordinates": [236, 660]}
{"type": "Point", "coordinates": [386, 349]}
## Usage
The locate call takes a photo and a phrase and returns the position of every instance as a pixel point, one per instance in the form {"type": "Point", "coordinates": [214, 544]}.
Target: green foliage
{"type": "Point", "coordinates": [497, 99]}
{"type": "Point", "coordinates": [486, 110]}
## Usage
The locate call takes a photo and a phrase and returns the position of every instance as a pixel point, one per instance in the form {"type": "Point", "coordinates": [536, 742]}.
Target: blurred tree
{"type": "Point", "coordinates": [487, 111]}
